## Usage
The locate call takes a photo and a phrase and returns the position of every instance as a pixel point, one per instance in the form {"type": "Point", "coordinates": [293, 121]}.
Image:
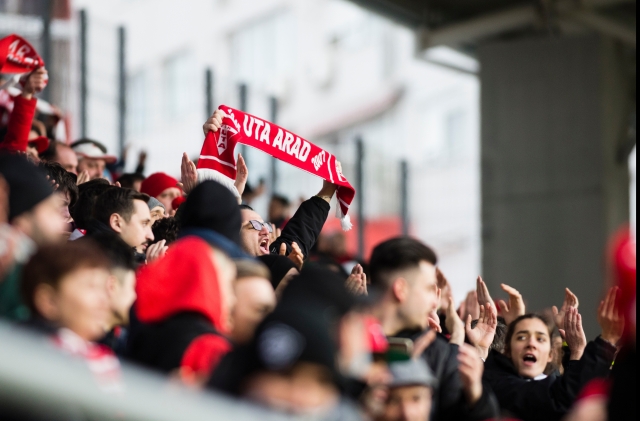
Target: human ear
{"type": "Point", "coordinates": [44, 299]}
{"type": "Point", "coordinates": [115, 222]}
{"type": "Point", "coordinates": [400, 290]}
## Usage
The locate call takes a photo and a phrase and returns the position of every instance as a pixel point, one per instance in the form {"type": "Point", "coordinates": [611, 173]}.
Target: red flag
{"type": "Point", "coordinates": [18, 56]}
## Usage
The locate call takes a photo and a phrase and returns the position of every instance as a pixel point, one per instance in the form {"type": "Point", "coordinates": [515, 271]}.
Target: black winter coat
{"type": "Point", "coordinates": [552, 398]}
{"type": "Point", "coordinates": [449, 402]}
{"type": "Point", "coordinates": [305, 226]}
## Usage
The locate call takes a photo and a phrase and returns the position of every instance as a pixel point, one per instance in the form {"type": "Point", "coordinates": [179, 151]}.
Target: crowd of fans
{"type": "Point", "coordinates": [181, 278]}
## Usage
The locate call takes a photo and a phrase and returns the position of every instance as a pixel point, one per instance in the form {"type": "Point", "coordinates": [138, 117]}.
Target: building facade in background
{"type": "Point", "coordinates": [338, 73]}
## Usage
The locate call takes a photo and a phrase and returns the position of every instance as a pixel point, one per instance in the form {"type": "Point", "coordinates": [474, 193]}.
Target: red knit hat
{"type": "Point", "coordinates": [156, 183]}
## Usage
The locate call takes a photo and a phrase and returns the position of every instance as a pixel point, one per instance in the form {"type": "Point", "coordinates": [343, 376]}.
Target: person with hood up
{"type": "Point", "coordinates": [183, 313]}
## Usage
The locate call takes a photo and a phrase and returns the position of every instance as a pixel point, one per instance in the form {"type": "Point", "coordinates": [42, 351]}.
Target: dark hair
{"type": "Point", "coordinates": [398, 254]}
{"type": "Point", "coordinates": [246, 207]}
{"type": "Point", "coordinates": [82, 212]}
{"type": "Point", "coordinates": [280, 199]}
{"type": "Point", "coordinates": [128, 180]}
{"type": "Point", "coordinates": [498, 343]}
{"type": "Point", "coordinates": [120, 255]}
{"type": "Point", "coordinates": [117, 200]}
{"type": "Point", "coordinates": [65, 180]}
{"type": "Point", "coordinates": [166, 229]}
{"type": "Point", "coordinates": [512, 330]}
{"type": "Point", "coordinates": [52, 151]}
{"type": "Point", "coordinates": [52, 263]}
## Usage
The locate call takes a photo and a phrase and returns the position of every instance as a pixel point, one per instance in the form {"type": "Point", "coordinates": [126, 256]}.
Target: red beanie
{"type": "Point", "coordinates": [156, 183]}
{"type": "Point", "coordinates": [177, 202]}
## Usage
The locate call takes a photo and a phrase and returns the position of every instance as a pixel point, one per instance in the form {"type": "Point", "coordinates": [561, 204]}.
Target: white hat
{"type": "Point", "coordinates": [90, 150]}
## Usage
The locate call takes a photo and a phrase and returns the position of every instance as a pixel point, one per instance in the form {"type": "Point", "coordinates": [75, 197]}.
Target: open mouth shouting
{"type": "Point", "coordinates": [264, 246]}
{"type": "Point", "coordinates": [529, 360]}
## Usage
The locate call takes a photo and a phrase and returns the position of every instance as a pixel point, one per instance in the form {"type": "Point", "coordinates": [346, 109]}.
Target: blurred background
{"type": "Point", "coordinates": [501, 132]}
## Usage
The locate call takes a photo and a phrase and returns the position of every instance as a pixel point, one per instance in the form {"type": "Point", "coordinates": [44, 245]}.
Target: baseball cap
{"type": "Point", "coordinates": [91, 149]}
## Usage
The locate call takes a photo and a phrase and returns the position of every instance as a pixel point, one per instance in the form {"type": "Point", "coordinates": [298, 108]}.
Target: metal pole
{"type": "Point", "coordinates": [209, 92]}
{"type": "Point", "coordinates": [360, 196]}
{"type": "Point", "coordinates": [404, 196]}
{"type": "Point", "coordinates": [122, 89]}
{"type": "Point", "coordinates": [244, 93]}
{"type": "Point", "coordinates": [47, 14]}
{"type": "Point", "coordinates": [84, 96]}
{"type": "Point", "coordinates": [273, 102]}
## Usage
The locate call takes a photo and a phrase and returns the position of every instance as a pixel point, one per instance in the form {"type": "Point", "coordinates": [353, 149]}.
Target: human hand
{"type": "Point", "coordinates": [444, 285]}
{"type": "Point", "coordinates": [357, 282]}
{"type": "Point", "coordinates": [35, 82]}
{"type": "Point", "coordinates": [485, 331]}
{"type": "Point", "coordinates": [156, 251]}
{"type": "Point", "coordinates": [296, 256]}
{"type": "Point", "coordinates": [570, 301]}
{"type": "Point", "coordinates": [242, 175]}
{"type": "Point", "coordinates": [610, 317]}
{"type": "Point", "coordinates": [484, 296]}
{"type": "Point", "coordinates": [515, 308]}
{"type": "Point", "coordinates": [434, 318]}
{"type": "Point", "coordinates": [188, 174]}
{"type": "Point", "coordinates": [214, 123]}
{"type": "Point", "coordinates": [573, 333]}
{"type": "Point", "coordinates": [55, 186]}
{"type": "Point", "coordinates": [83, 177]}
{"type": "Point", "coordinates": [471, 369]}
{"type": "Point", "coordinates": [328, 188]}
{"type": "Point", "coordinates": [454, 324]}
{"type": "Point", "coordinates": [470, 306]}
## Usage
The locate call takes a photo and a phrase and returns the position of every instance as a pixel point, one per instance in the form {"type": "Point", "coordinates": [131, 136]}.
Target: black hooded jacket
{"type": "Point", "coordinates": [552, 398]}
{"type": "Point", "coordinates": [449, 402]}
{"type": "Point", "coordinates": [305, 226]}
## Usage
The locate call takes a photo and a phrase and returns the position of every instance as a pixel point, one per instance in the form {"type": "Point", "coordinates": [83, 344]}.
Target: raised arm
{"type": "Point", "coordinates": [24, 110]}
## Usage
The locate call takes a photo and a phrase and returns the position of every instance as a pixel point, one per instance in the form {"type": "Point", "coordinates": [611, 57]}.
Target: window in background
{"type": "Point", "coordinates": [455, 131]}
{"type": "Point", "coordinates": [263, 53]}
{"type": "Point", "coordinates": [179, 82]}
{"type": "Point", "coordinates": [138, 112]}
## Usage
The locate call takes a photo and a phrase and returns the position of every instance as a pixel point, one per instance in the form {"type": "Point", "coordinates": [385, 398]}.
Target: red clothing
{"type": "Point", "coordinates": [180, 301]}
{"type": "Point", "coordinates": [19, 125]}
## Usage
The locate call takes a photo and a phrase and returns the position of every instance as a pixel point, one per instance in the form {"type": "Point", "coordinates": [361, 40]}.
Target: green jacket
{"type": "Point", "coordinates": [11, 305]}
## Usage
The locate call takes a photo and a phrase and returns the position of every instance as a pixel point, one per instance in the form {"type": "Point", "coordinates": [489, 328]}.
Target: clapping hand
{"type": "Point", "coordinates": [357, 281]}
{"type": "Point", "coordinates": [189, 174]}
{"type": "Point", "coordinates": [570, 301]}
{"type": "Point", "coordinates": [573, 333]}
{"type": "Point", "coordinates": [482, 335]}
{"type": "Point", "coordinates": [242, 175]}
{"type": "Point", "coordinates": [515, 308]}
{"type": "Point", "coordinates": [610, 317]}
{"type": "Point", "coordinates": [296, 256]}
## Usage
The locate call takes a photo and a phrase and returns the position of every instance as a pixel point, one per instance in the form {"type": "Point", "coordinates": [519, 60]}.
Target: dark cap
{"type": "Point", "coordinates": [212, 206]}
{"type": "Point", "coordinates": [28, 185]}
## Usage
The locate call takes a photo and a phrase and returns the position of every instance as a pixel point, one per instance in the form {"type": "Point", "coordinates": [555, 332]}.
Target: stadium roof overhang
{"type": "Point", "coordinates": [462, 24]}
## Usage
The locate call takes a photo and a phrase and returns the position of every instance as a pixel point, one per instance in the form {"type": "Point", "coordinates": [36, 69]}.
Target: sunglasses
{"type": "Point", "coordinates": [258, 226]}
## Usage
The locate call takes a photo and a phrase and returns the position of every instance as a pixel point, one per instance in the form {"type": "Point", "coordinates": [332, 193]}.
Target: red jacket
{"type": "Point", "coordinates": [19, 126]}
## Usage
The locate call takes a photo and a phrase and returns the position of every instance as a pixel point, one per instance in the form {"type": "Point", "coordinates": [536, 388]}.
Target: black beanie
{"type": "Point", "coordinates": [28, 185]}
{"type": "Point", "coordinates": [212, 206]}
{"type": "Point", "coordinates": [279, 266]}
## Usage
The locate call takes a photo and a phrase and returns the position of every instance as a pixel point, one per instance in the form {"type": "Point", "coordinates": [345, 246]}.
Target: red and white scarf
{"type": "Point", "coordinates": [217, 159]}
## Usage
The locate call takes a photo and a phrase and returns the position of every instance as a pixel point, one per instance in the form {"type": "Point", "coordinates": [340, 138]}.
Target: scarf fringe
{"type": "Point", "coordinates": [345, 220]}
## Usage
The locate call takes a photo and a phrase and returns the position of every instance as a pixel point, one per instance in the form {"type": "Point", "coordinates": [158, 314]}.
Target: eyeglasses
{"type": "Point", "coordinates": [258, 226]}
